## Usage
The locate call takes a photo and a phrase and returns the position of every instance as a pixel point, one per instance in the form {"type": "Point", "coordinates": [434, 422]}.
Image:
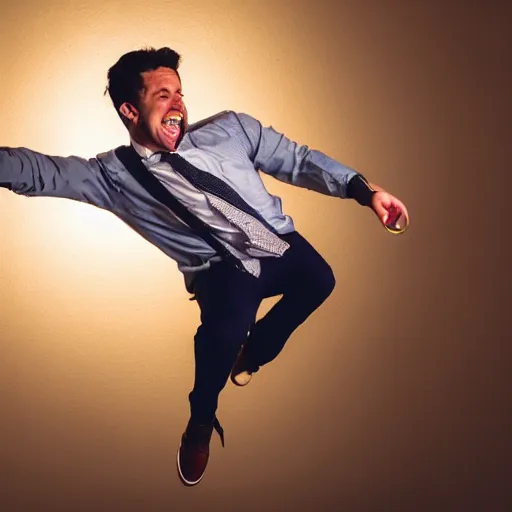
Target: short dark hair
{"type": "Point", "coordinates": [125, 76]}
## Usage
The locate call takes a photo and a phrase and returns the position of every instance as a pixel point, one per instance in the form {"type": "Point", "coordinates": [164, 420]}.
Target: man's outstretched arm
{"type": "Point", "coordinates": [274, 154]}
{"type": "Point", "coordinates": [30, 173]}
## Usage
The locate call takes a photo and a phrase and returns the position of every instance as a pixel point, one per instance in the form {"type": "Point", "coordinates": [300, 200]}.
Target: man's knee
{"type": "Point", "coordinates": [326, 282]}
{"type": "Point", "coordinates": [319, 284]}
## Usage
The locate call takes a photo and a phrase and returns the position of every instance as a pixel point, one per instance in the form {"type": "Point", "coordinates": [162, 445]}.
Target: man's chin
{"type": "Point", "coordinates": [172, 147]}
{"type": "Point", "coordinates": [169, 143]}
{"type": "Point", "coordinates": [164, 145]}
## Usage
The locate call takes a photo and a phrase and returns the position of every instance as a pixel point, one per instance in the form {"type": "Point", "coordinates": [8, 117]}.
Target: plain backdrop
{"type": "Point", "coordinates": [395, 395]}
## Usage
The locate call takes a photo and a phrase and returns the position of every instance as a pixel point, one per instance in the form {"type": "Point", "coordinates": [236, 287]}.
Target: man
{"type": "Point", "coordinates": [229, 236]}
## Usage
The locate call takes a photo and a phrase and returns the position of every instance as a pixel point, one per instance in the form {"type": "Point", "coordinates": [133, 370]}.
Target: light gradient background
{"type": "Point", "coordinates": [395, 395]}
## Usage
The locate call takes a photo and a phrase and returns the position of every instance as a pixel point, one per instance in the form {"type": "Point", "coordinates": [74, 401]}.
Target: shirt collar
{"type": "Point", "coordinates": [143, 151]}
{"type": "Point", "coordinates": [152, 157]}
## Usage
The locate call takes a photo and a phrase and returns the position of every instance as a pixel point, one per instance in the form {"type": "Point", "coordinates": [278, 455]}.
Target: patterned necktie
{"type": "Point", "coordinates": [260, 234]}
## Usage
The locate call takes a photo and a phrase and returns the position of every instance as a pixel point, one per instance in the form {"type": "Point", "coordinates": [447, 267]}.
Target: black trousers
{"type": "Point", "coordinates": [229, 300]}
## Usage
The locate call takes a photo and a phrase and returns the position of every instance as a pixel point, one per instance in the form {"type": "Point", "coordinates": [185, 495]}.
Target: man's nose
{"type": "Point", "coordinates": [177, 103]}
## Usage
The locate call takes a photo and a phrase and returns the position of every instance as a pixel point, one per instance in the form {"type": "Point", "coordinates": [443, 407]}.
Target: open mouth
{"type": "Point", "coordinates": [172, 124]}
{"type": "Point", "coordinates": [173, 118]}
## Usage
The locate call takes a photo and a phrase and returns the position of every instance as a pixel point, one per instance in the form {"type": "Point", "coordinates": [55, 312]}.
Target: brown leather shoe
{"type": "Point", "coordinates": [194, 450]}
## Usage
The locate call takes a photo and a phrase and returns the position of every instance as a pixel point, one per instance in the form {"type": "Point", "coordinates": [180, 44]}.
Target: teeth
{"type": "Point", "coordinates": [172, 121]}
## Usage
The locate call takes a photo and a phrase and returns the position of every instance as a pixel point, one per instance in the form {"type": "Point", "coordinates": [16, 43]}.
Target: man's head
{"type": "Point", "coordinates": [145, 87]}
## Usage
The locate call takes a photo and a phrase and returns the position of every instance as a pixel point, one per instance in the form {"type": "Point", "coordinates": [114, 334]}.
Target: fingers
{"type": "Point", "coordinates": [401, 207]}
{"type": "Point", "coordinates": [382, 211]}
{"type": "Point", "coordinates": [388, 207]}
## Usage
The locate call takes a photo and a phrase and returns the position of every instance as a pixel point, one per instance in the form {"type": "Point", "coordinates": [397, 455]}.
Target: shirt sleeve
{"type": "Point", "coordinates": [274, 154]}
{"type": "Point", "coordinates": [29, 173]}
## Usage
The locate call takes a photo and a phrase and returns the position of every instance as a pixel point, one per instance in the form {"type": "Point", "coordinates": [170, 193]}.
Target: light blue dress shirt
{"type": "Point", "coordinates": [232, 146]}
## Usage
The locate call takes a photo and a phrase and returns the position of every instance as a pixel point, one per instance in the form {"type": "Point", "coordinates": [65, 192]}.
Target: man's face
{"type": "Point", "coordinates": [160, 99]}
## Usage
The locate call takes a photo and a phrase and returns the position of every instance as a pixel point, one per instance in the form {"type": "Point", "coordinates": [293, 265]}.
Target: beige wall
{"type": "Point", "coordinates": [394, 395]}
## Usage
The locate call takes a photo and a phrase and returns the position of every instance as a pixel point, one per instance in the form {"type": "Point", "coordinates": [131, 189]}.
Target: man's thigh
{"type": "Point", "coordinates": [301, 267]}
{"type": "Point", "coordinates": [228, 298]}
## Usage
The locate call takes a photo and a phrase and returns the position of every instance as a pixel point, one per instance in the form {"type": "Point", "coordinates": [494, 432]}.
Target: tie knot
{"type": "Point", "coordinates": [168, 156]}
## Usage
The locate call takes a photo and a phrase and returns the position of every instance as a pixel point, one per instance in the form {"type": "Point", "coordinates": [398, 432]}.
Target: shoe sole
{"type": "Point", "coordinates": [182, 478]}
{"type": "Point", "coordinates": [239, 384]}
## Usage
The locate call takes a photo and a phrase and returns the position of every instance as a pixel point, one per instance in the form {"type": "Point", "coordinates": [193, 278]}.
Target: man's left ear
{"type": "Point", "coordinates": [129, 112]}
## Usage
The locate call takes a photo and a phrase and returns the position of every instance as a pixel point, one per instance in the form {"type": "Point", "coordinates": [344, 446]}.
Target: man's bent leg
{"type": "Point", "coordinates": [308, 282]}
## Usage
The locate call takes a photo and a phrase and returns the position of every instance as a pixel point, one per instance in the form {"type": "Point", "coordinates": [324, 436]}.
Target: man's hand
{"type": "Point", "coordinates": [387, 207]}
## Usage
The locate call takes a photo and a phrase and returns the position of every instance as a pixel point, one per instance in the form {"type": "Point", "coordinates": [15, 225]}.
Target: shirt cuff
{"type": "Point", "coordinates": [359, 189]}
